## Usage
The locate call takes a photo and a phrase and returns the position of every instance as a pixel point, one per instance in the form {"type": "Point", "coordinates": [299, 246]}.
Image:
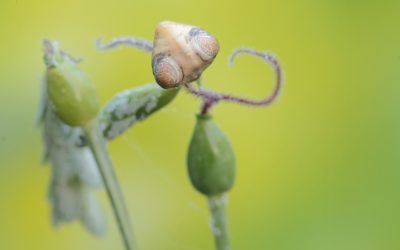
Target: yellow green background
{"type": "Point", "coordinates": [317, 170]}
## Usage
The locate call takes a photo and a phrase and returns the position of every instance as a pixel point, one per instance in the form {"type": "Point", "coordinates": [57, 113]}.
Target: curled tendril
{"type": "Point", "coordinates": [139, 43]}
{"type": "Point", "coordinates": [210, 98]}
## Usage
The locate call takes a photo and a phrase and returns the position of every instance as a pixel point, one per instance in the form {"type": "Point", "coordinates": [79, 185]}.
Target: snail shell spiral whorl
{"type": "Point", "coordinates": [181, 53]}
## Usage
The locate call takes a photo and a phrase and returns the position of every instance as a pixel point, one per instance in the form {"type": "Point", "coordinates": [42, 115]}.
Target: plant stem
{"type": "Point", "coordinates": [219, 224]}
{"type": "Point", "coordinates": [104, 163]}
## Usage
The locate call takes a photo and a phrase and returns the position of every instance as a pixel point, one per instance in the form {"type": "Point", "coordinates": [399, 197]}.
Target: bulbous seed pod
{"type": "Point", "coordinates": [181, 53]}
{"type": "Point", "coordinates": [131, 106]}
{"type": "Point", "coordinates": [72, 94]}
{"type": "Point", "coordinates": [211, 160]}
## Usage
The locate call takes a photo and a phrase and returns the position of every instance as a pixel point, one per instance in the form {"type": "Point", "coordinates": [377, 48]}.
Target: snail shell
{"type": "Point", "coordinates": [181, 53]}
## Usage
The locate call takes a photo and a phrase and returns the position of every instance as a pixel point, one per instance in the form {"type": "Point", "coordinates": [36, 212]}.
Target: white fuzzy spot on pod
{"type": "Point", "coordinates": [152, 103]}
{"type": "Point", "coordinates": [214, 228]}
{"type": "Point", "coordinates": [222, 201]}
{"type": "Point", "coordinates": [118, 127]}
{"type": "Point", "coordinates": [127, 108]}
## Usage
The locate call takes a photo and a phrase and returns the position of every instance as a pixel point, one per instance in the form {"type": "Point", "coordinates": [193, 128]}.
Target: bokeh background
{"type": "Point", "coordinates": [317, 170]}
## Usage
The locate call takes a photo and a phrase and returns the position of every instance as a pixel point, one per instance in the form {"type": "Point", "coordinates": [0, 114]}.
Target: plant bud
{"type": "Point", "coordinates": [211, 160]}
{"type": "Point", "coordinates": [72, 94]}
{"type": "Point", "coordinates": [133, 105]}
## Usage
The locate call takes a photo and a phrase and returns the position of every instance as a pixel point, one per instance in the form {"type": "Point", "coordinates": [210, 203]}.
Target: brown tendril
{"type": "Point", "coordinates": [210, 98]}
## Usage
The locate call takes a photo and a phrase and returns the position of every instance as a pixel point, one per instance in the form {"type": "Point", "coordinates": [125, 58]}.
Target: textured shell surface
{"type": "Point", "coordinates": [181, 53]}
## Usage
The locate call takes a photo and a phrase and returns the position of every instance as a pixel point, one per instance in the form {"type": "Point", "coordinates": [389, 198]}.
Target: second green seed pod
{"type": "Point", "coordinates": [211, 159]}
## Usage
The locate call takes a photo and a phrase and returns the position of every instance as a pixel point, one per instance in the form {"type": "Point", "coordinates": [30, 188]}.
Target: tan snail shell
{"type": "Point", "coordinates": [181, 53]}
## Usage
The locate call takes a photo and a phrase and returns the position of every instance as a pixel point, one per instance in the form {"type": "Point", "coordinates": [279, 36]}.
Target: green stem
{"type": "Point", "coordinates": [219, 224]}
{"type": "Point", "coordinates": [100, 152]}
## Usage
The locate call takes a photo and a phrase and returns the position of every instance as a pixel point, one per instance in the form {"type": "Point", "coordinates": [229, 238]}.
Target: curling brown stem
{"type": "Point", "coordinates": [210, 98]}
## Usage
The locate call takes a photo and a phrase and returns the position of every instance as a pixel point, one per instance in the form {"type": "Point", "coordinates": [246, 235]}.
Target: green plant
{"type": "Point", "coordinates": [72, 121]}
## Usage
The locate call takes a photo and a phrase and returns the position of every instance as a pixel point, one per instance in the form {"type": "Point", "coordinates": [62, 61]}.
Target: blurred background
{"type": "Point", "coordinates": [317, 170]}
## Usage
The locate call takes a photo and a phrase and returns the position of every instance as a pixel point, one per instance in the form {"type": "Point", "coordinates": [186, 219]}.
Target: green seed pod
{"type": "Point", "coordinates": [211, 160]}
{"type": "Point", "coordinates": [133, 105]}
{"type": "Point", "coordinates": [72, 94]}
